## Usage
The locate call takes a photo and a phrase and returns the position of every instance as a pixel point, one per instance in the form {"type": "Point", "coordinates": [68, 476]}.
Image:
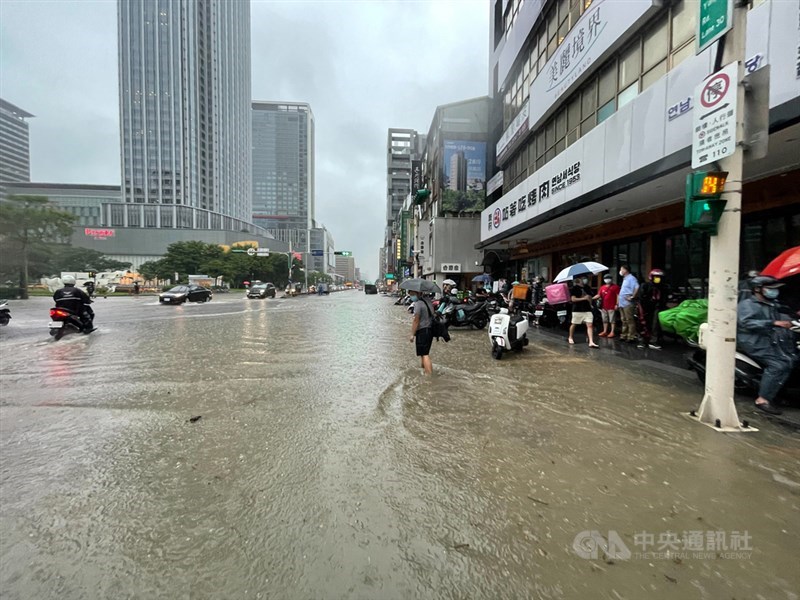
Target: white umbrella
{"type": "Point", "coordinates": [584, 268]}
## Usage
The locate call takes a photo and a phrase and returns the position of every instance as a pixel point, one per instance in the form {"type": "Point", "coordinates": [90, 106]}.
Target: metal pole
{"type": "Point", "coordinates": [723, 268]}
{"type": "Point", "coordinates": [308, 256]}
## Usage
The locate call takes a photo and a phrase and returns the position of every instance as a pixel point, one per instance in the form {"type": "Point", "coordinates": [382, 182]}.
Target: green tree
{"type": "Point", "coordinates": [80, 259]}
{"type": "Point", "coordinates": [27, 225]}
{"type": "Point", "coordinates": [188, 258]}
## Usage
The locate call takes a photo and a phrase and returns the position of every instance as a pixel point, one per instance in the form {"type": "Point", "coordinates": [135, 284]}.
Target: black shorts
{"type": "Point", "coordinates": [424, 341]}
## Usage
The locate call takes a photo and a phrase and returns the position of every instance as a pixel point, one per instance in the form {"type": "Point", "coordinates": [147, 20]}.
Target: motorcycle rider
{"type": "Point", "coordinates": [762, 334]}
{"type": "Point", "coordinates": [75, 300]}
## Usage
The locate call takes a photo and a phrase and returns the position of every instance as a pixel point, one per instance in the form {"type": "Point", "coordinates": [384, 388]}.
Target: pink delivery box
{"type": "Point", "coordinates": [557, 293]}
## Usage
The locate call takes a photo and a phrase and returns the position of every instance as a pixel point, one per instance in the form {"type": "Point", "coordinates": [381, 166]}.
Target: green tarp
{"type": "Point", "coordinates": [685, 319]}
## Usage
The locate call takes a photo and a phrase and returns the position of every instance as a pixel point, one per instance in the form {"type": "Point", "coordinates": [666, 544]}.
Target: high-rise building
{"type": "Point", "coordinates": [457, 181]}
{"type": "Point", "coordinates": [283, 170]}
{"type": "Point", "coordinates": [322, 241]}
{"type": "Point", "coordinates": [402, 148]}
{"type": "Point", "coordinates": [346, 268]}
{"type": "Point", "coordinates": [184, 81]}
{"type": "Point", "coordinates": [15, 156]}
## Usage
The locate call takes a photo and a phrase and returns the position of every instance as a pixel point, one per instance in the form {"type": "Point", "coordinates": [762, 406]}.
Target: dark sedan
{"type": "Point", "coordinates": [183, 293]}
{"type": "Point", "coordinates": [261, 290]}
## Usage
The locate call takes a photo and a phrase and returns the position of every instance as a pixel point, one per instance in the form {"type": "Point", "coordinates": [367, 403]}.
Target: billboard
{"type": "Point", "coordinates": [464, 180]}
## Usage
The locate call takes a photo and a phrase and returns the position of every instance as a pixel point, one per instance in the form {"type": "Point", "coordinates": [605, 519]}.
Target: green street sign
{"type": "Point", "coordinates": [714, 21]}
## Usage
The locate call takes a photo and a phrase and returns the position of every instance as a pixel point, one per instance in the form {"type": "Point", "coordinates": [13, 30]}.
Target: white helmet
{"type": "Point", "coordinates": [68, 280]}
{"type": "Point", "coordinates": [449, 282]}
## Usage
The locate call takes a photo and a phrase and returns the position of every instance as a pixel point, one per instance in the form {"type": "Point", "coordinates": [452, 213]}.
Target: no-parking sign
{"type": "Point", "coordinates": [714, 119]}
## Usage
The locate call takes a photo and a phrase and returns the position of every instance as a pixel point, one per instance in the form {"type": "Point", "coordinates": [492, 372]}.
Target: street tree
{"type": "Point", "coordinates": [27, 225]}
{"type": "Point", "coordinates": [80, 259]}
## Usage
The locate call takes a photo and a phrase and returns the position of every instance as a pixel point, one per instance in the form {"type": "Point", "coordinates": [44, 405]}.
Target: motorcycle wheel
{"type": "Point", "coordinates": [59, 333]}
{"type": "Point", "coordinates": [497, 352]}
{"type": "Point", "coordinates": [53, 332]}
{"type": "Point", "coordinates": [481, 322]}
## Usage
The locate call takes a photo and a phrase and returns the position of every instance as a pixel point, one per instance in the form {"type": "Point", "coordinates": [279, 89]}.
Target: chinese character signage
{"type": "Point", "coordinates": [416, 176]}
{"type": "Point", "coordinates": [714, 117]}
{"type": "Point", "coordinates": [464, 181]}
{"type": "Point", "coordinates": [451, 267]}
{"type": "Point", "coordinates": [601, 26]}
{"type": "Point", "coordinates": [542, 191]}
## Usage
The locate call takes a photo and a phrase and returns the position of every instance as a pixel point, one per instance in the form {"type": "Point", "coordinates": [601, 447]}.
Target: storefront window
{"type": "Point", "coordinates": [629, 94]}
{"type": "Point", "coordinates": [654, 74]}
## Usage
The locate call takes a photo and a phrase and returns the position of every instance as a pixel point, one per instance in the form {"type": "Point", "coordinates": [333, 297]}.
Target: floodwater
{"type": "Point", "coordinates": [325, 465]}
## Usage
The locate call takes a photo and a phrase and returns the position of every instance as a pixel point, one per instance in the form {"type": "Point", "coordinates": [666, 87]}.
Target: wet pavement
{"type": "Point", "coordinates": [325, 465]}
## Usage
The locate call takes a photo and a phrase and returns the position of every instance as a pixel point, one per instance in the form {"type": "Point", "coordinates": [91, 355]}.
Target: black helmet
{"type": "Point", "coordinates": [764, 281]}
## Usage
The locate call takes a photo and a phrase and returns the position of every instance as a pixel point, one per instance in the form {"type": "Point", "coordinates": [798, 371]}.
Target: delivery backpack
{"type": "Point", "coordinates": [438, 323]}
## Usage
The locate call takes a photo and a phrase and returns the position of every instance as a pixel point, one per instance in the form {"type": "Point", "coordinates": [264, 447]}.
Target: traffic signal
{"type": "Point", "coordinates": [704, 204]}
{"type": "Point", "coordinates": [421, 196]}
{"type": "Point", "coordinates": [91, 274]}
{"type": "Point", "coordinates": [343, 253]}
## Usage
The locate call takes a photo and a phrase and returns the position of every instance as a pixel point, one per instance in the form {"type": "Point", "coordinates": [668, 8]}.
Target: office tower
{"type": "Point", "coordinates": [184, 80]}
{"type": "Point", "coordinates": [283, 170]}
{"type": "Point", "coordinates": [15, 156]}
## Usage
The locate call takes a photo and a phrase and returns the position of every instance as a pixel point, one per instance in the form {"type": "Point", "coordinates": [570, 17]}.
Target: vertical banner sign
{"type": "Point", "coordinates": [714, 21]}
{"type": "Point", "coordinates": [714, 117]}
{"type": "Point", "coordinates": [416, 176]}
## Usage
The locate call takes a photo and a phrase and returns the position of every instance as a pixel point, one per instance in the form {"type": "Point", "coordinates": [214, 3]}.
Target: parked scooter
{"type": "Point", "coordinates": [508, 332]}
{"type": "Point", "coordinates": [467, 315]}
{"type": "Point", "coordinates": [747, 371]}
{"type": "Point", "coordinates": [5, 312]}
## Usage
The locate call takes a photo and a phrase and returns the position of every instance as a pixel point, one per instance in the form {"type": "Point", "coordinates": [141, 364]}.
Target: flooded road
{"type": "Point", "coordinates": [325, 465]}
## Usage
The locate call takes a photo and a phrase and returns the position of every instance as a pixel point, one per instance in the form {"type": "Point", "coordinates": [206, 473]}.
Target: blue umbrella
{"type": "Point", "coordinates": [484, 277]}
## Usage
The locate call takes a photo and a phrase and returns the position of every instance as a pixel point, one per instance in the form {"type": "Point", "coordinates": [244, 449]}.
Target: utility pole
{"type": "Point", "coordinates": [717, 408]}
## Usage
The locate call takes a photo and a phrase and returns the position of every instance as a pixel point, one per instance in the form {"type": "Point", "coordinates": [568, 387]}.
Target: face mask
{"type": "Point", "coordinates": [771, 293]}
{"type": "Point", "coordinates": [585, 280]}
{"type": "Point", "coordinates": [414, 298]}
{"type": "Point", "coordinates": [656, 279]}
{"type": "Point", "coordinates": [607, 281]}
{"type": "Point", "coordinates": [622, 273]}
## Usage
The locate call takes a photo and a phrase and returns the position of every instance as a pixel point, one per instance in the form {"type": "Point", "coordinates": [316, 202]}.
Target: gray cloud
{"type": "Point", "coordinates": [363, 66]}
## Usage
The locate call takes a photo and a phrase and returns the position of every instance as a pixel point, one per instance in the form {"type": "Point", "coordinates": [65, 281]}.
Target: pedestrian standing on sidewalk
{"type": "Point", "coordinates": [653, 296]}
{"type": "Point", "coordinates": [581, 296]}
{"type": "Point", "coordinates": [422, 329]}
{"type": "Point", "coordinates": [626, 303]}
{"type": "Point", "coordinates": [608, 294]}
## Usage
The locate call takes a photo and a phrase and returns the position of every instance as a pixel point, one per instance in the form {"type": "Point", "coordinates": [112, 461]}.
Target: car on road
{"type": "Point", "coordinates": [370, 289]}
{"type": "Point", "coordinates": [261, 290]}
{"type": "Point", "coordinates": [185, 293]}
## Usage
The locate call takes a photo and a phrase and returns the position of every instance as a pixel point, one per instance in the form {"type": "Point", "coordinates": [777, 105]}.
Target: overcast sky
{"type": "Point", "coordinates": [364, 66]}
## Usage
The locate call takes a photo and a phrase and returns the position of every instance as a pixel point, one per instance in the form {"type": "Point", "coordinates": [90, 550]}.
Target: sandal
{"type": "Point", "coordinates": [571, 341]}
{"type": "Point", "coordinates": [593, 346]}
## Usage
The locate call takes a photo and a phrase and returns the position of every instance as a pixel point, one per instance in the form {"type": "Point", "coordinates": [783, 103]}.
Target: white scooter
{"type": "Point", "coordinates": [508, 332]}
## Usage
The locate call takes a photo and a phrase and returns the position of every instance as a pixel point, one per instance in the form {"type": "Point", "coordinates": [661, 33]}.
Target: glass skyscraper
{"type": "Point", "coordinates": [184, 80]}
{"type": "Point", "coordinates": [283, 170]}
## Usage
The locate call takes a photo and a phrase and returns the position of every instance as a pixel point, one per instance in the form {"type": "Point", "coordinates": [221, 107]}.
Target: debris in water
{"type": "Point", "coordinates": [460, 546]}
{"type": "Point", "coordinates": [538, 501]}
{"type": "Point", "coordinates": [194, 419]}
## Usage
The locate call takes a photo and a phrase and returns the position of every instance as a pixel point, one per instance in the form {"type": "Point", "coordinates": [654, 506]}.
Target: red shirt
{"type": "Point", "coordinates": [608, 296]}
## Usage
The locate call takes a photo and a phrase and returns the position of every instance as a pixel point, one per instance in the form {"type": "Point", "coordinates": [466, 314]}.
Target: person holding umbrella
{"type": "Point", "coordinates": [581, 296]}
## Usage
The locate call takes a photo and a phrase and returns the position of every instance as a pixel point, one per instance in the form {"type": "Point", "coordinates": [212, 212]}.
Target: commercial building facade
{"type": "Point", "coordinates": [98, 225]}
{"type": "Point", "coordinates": [345, 268]}
{"type": "Point", "coordinates": [283, 170]}
{"type": "Point", "coordinates": [596, 100]}
{"type": "Point", "coordinates": [184, 81]}
{"type": "Point", "coordinates": [404, 149]}
{"type": "Point", "coordinates": [455, 167]}
{"type": "Point", "coordinates": [15, 153]}
{"type": "Point", "coordinates": [322, 241]}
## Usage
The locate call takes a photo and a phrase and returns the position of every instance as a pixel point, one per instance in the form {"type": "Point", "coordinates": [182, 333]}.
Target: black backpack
{"type": "Point", "coordinates": [438, 324]}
